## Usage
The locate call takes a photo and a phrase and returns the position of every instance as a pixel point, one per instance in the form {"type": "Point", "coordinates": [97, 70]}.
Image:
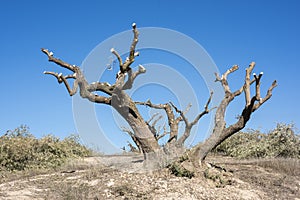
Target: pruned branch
{"type": "Point", "coordinates": [125, 67]}
{"type": "Point", "coordinates": [247, 83]}
{"type": "Point", "coordinates": [61, 78]}
{"type": "Point", "coordinates": [257, 81]}
{"type": "Point", "coordinates": [86, 90]}
{"type": "Point", "coordinates": [223, 78]}
{"type": "Point", "coordinates": [102, 87]}
{"type": "Point", "coordinates": [135, 40]}
{"type": "Point", "coordinates": [267, 97]}
{"type": "Point", "coordinates": [132, 76]}
{"type": "Point", "coordinates": [151, 105]}
{"type": "Point", "coordinates": [220, 131]}
{"type": "Point", "coordinates": [57, 61]}
{"type": "Point", "coordinates": [113, 51]}
{"type": "Point", "coordinates": [182, 114]}
{"type": "Point", "coordinates": [58, 76]}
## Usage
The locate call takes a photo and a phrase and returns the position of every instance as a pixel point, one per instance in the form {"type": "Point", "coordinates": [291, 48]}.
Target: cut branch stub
{"type": "Point", "coordinates": [125, 66]}
{"type": "Point", "coordinates": [267, 97]}
{"type": "Point", "coordinates": [86, 90]}
{"type": "Point", "coordinates": [223, 78]}
{"type": "Point", "coordinates": [113, 51]}
{"type": "Point", "coordinates": [51, 58]}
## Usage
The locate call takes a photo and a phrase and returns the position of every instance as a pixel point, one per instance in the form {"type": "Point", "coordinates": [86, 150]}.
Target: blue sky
{"type": "Point", "coordinates": [232, 32]}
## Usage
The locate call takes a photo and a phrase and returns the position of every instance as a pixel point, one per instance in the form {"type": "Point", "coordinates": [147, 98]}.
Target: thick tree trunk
{"type": "Point", "coordinates": [128, 110]}
{"type": "Point", "coordinates": [145, 135]}
{"type": "Point", "coordinates": [210, 143]}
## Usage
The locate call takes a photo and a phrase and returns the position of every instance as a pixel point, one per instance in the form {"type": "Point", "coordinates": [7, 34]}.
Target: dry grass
{"type": "Point", "coordinates": [287, 166]}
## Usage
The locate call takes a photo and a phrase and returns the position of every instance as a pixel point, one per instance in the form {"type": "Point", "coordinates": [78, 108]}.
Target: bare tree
{"type": "Point", "coordinates": [144, 133]}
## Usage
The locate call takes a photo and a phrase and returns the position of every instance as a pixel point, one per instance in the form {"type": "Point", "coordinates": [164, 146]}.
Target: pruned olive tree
{"type": "Point", "coordinates": [144, 133]}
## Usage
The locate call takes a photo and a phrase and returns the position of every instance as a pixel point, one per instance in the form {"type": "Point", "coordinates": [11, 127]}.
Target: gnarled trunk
{"type": "Point", "coordinates": [144, 134]}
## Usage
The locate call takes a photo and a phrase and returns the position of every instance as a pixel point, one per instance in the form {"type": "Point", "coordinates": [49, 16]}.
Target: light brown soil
{"type": "Point", "coordinates": [123, 177]}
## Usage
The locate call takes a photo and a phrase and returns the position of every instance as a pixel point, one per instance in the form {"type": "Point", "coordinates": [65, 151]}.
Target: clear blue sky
{"type": "Point", "coordinates": [232, 32]}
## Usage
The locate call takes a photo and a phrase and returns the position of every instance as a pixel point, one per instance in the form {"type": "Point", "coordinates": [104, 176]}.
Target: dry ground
{"type": "Point", "coordinates": [122, 177]}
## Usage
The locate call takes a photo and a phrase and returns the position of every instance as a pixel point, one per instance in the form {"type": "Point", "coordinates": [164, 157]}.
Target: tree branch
{"type": "Point", "coordinates": [135, 40]}
{"type": "Point", "coordinates": [189, 125]}
{"type": "Point", "coordinates": [135, 140]}
{"type": "Point", "coordinates": [267, 97]}
{"type": "Point", "coordinates": [206, 110]}
{"type": "Point", "coordinates": [240, 91]}
{"type": "Point", "coordinates": [247, 83]}
{"type": "Point", "coordinates": [220, 132]}
{"type": "Point", "coordinates": [61, 78]}
{"type": "Point", "coordinates": [113, 51]}
{"type": "Point", "coordinates": [152, 117]}
{"type": "Point", "coordinates": [117, 97]}
{"type": "Point", "coordinates": [223, 79]}
{"type": "Point", "coordinates": [125, 67]}
{"type": "Point", "coordinates": [163, 134]}
{"type": "Point", "coordinates": [150, 104]}
{"type": "Point", "coordinates": [132, 76]}
{"type": "Point", "coordinates": [132, 148]}
{"type": "Point", "coordinates": [173, 123]}
{"type": "Point", "coordinates": [80, 81]}
{"type": "Point", "coordinates": [257, 81]}
{"type": "Point", "coordinates": [102, 87]}
{"type": "Point", "coordinates": [51, 58]}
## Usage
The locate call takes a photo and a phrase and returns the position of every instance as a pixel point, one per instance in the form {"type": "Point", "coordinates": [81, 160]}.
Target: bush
{"type": "Point", "coordinates": [279, 142]}
{"type": "Point", "coordinates": [179, 171]}
{"type": "Point", "coordinates": [20, 150]}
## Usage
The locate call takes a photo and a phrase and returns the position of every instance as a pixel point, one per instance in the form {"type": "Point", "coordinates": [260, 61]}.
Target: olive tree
{"type": "Point", "coordinates": [144, 133]}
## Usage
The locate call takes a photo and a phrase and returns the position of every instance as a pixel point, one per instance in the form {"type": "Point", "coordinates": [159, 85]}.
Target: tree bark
{"type": "Point", "coordinates": [146, 136]}
{"type": "Point", "coordinates": [127, 109]}
{"type": "Point", "coordinates": [221, 132]}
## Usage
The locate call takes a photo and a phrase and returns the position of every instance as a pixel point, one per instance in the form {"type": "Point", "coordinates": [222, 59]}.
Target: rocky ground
{"type": "Point", "coordinates": [123, 177]}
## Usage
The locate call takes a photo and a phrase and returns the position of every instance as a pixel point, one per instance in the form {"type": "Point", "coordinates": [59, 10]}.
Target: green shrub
{"type": "Point", "coordinates": [179, 171]}
{"type": "Point", "coordinates": [279, 142]}
{"type": "Point", "coordinates": [20, 150]}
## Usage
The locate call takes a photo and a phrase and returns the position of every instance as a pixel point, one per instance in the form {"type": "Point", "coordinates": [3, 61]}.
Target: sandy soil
{"type": "Point", "coordinates": [123, 177]}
